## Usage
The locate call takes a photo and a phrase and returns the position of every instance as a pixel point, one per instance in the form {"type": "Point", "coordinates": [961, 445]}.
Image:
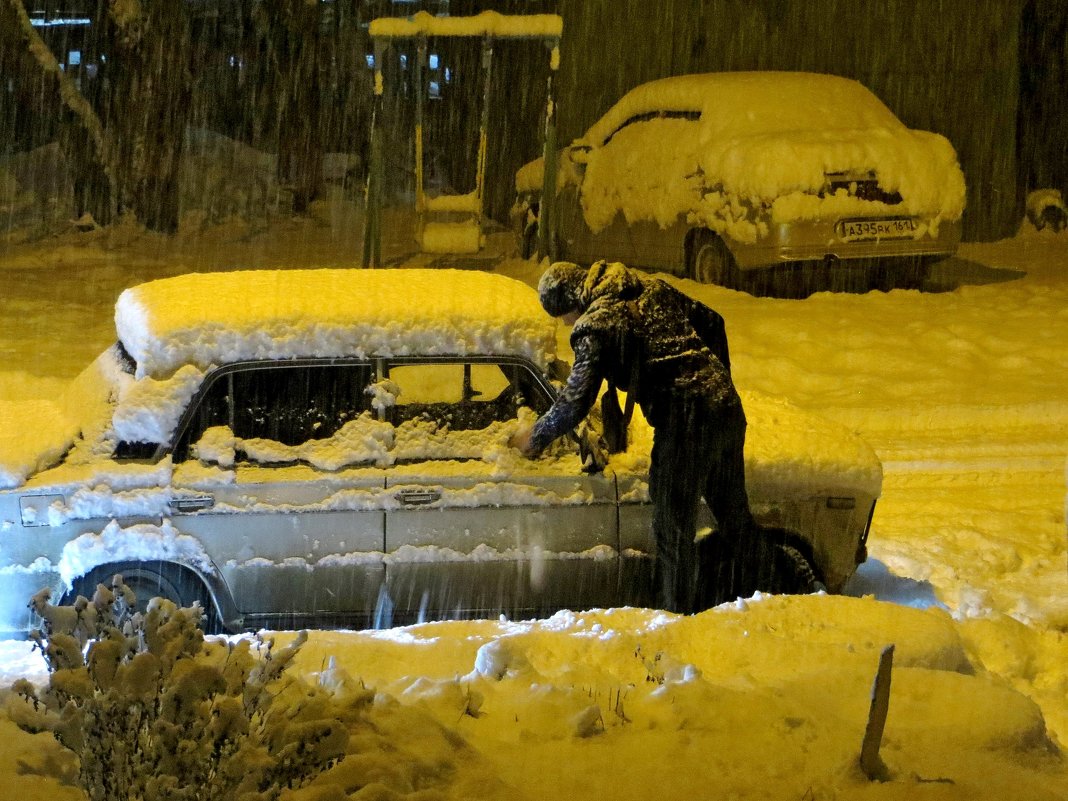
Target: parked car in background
{"type": "Point", "coordinates": [716, 176]}
{"type": "Point", "coordinates": [287, 461]}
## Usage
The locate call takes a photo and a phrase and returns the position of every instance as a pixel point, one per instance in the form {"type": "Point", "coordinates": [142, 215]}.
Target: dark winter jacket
{"type": "Point", "coordinates": [644, 336]}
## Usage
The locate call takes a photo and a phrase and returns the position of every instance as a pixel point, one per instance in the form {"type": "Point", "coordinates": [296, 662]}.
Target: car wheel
{"type": "Point", "coordinates": [772, 560]}
{"type": "Point", "coordinates": [152, 580]}
{"type": "Point", "coordinates": [530, 241]}
{"type": "Point", "coordinates": [711, 261]}
{"type": "Point", "coordinates": [791, 572]}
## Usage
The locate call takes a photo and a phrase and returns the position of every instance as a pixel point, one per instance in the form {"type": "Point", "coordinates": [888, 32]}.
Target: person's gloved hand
{"type": "Point", "coordinates": [520, 440]}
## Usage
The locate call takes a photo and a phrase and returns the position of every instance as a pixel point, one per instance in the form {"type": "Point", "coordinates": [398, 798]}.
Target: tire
{"type": "Point", "coordinates": [791, 572]}
{"type": "Point", "coordinates": [773, 560]}
{"type": "Point", "coordinates": [711, 261]}
{"type": "Point", "coordinates": [148, 580]}
{"type": "Point", "coordinates": [530, 241]}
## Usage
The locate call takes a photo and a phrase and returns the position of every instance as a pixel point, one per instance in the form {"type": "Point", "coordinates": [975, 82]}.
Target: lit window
{"type": "Point", "coordinates": [74, 58]}
{"type": "Point", "coordinates": [433, 61]}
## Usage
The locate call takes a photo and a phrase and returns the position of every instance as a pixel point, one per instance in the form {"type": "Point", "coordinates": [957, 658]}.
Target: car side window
{"type": "Point", "coordinates": [289, 405]}
{"type": "Point", "coordinates": [453, 410]}
{"type": "Point", "coordinates": [459, 396]}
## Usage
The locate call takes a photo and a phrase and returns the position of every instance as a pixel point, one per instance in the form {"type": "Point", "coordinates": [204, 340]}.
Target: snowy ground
{"type": "Point", "coordinates": [961, 391]}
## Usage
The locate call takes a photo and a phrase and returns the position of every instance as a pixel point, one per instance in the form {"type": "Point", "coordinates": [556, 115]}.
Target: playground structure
{"type": "Point", "coordinates": [452, 223]}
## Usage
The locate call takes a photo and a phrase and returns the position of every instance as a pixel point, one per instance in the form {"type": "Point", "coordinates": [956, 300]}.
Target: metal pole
{"type": "Point", "coordinates": [420, 195]}
{"type": "Point", "coordinates": [547, 209]}
{"type": "Point", "coordinates": [480, 177]}
{"type": "Point", "coordinates": [372, 231]}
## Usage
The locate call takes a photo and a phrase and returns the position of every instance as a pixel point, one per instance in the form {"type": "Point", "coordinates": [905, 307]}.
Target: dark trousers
{"type": "Point", "coordinates": [698, 450]}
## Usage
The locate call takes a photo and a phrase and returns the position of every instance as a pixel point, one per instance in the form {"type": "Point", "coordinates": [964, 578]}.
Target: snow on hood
{"type": "Point", "coordinates": [799, 452]}
{"type": "Point", "coordinates": [789, 452]}
{"type": "Point", "coordinates": [34, 436]}
{"type": "Point", "coordinates": [208, 319]}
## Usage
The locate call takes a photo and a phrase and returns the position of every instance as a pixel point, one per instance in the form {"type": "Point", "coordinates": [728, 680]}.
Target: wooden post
{"type": "Point", "coordinates": [870, 761]}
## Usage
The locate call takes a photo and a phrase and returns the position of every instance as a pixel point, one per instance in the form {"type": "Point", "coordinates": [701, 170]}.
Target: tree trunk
{"type": "Point", "coordinates": [298, 54]}
{"type": "Point", "coordinates": [145, 104]}
{"type": "Point", "coordinates": [82, 136]}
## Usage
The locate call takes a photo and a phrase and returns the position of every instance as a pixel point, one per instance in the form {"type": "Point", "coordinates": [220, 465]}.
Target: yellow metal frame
{"type": "Point", "coordinates": [490, 26]}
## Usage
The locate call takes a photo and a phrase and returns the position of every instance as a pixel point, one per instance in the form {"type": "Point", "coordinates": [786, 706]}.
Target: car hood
{"type": "Point", "coordinates": [36, 434]}
{"type": "Point", "coordinates": [789, 452]}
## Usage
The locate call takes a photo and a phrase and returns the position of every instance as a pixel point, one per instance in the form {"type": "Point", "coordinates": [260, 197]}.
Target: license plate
{"type": "Point", "coordinates": [863, 230]}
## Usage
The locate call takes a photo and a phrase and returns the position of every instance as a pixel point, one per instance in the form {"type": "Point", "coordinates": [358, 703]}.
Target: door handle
{"type": "Point", "coordinates": [418, 497]}
{"type": "Point", "coordinates": [193, 503]}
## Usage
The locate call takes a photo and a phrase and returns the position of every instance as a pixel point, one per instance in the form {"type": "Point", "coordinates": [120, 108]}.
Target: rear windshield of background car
{"type": "Point", "coordinates": [655, 115]}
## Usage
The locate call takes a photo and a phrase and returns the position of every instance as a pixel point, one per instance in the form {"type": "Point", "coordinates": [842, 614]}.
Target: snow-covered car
{"type": "Point", "coordinates": [713, 176]}
{"type": "Point", "coordinates": [330, 447]}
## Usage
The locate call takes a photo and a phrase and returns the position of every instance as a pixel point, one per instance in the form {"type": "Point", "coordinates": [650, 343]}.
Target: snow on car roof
{"type": "Point", "coordinates": [208, 319]}
{"type": "Point", "coordinates": [745, 103]}
{"type": "Point", "coordinates": [488, 23]}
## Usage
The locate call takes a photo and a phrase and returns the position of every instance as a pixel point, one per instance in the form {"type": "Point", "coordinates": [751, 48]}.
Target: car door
{"type": "Point", "coordinates": [277, 473]}
{"type": "Point", "coordinates": [475, 528]}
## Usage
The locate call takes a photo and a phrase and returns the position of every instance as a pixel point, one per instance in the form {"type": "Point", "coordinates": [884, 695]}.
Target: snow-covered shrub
{"type": "Point", "coordinates": [154, 711]}
{"type": "Point", "coordinates": [1046, 209]}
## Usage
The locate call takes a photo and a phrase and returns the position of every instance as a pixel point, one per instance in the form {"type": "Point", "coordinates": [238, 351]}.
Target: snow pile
{"type": "Point", "coordinates": [215, 318]}
{"type": "Point", "coordinates": [801, 454]}
{"type": "Point", "coordinates": [1045, 208]}
{"type": "Point", "coordinates": [761, 699]}
{"type": "Point", "coordinates": [34, 435]}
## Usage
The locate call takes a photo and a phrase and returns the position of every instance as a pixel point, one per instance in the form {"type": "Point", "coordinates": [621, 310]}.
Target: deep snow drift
{"type": "Point", "coordinates": [962, 395]}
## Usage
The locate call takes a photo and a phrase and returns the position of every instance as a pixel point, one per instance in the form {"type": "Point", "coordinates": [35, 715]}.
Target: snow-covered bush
{"type": "Point", "coordinates": [1046, 209]}
{"type": "Point", "coordinates": [154, 711]}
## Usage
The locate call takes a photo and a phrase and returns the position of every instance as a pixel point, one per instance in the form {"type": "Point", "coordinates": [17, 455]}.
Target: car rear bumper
{"type": "Point", "coordinates": [817, 240]}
